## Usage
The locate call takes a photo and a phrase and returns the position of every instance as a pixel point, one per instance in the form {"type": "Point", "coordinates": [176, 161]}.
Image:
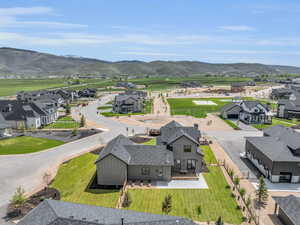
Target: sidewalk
{"type": "Point", "coordinates": [266, 215]}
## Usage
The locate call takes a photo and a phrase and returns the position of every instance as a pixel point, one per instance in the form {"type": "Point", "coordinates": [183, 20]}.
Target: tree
{"type": "Point", "coordinates": [236, 181]}
{"type": "Point", "coordinates": [167, 204]}
{"type": "Point", "coordinates": [261, 194]}
{"type": "Point", "coordinates": [68, 109]}
{"type": "Point", "coordinates": [219, 221]}
{"type": "Point", "coordinates": [242, 192]}
{"type": "Point", "coordinates": [82, 121]}
{"type": "Point", "coordinates": [74, 132]}
{"type": "Point", "coordinates": [231, 173]}
{"type": "Point", "coordinates": [19, 197]}
{"type": "Point", "coordinates": [127, 200]}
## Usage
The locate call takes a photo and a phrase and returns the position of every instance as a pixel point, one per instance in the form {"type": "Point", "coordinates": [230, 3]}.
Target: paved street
{"type": "Point", "coordinates": [28, 170]}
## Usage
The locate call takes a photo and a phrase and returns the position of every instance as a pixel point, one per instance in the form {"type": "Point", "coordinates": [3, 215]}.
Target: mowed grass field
{"type": "Point", "coordinates": [73, 178]}
{"type": "Point", "coordinates": [64, 123]}
{"type": "Point", "coordinates": [186, 106]}
{"type": "Point", "coordinates": [214, 202]}
{"type": "Point", "coordinates": [26, 144]}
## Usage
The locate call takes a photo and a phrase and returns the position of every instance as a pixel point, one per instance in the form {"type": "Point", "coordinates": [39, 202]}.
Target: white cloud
{"type": "Point", "coordinates": [237, 28]}
{"type": "Point", "coordinates": [9, 18]}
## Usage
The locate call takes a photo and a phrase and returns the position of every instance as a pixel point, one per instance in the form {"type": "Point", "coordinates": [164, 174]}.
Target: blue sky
{"type": "Point", "coordinates": [217, 31]}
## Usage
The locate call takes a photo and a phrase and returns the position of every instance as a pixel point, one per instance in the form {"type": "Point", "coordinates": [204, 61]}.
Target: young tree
{"type": "Point", "coordinates": [167, 204]}
{"type": "Point", "coordinates": [231, 173]}
{"type": "Point", "coordinates": [74, 132]}
{"type": "Point", "coordinates": [236, 181]}
{"type": "Point", "coordinates": [127, 200]}
{"type": "Point", "coordinates": [243, 192]}
{"type": "Point", "coordinates": [19, 197]}
{"type": "Point", "coordinates": [261, 194]}
{"type": "Point", "coordinates": [82, 121]}
{"type": "Point", "coordinates": [68, 109]}
{"type": "Point", "coordinates": [219, 221]}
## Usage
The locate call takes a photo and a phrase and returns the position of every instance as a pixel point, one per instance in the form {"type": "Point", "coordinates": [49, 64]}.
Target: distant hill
{"type": "Point", "coordinates": [25, 63]}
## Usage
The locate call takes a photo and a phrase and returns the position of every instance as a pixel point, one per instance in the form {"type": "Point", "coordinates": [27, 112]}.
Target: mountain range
{"type": "Point", "coordinates": [27, 63]}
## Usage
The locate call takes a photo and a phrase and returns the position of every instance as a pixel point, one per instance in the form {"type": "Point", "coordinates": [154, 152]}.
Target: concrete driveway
{"type": "Point", "coordinates": [182, 184]}
{"type": "Point", "coordinates": [27, 170]}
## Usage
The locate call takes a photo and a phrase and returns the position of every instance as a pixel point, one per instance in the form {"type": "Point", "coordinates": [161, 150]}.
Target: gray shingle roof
{"type": "Point", "coordinates": [172, 124]}
{"type": "Point", "coordinates": [290, 206]}
{"type": "Point", "coordinates": [3, 123]}
{"type": "Point", "coordinates": [273, 148]}
{"type": "Point", "coordinates": [231, 107]}
{"type": "Point", "coordinates": [180, 133]}
{"type": "Point", "coordinates": [51, 212]}
{"type": "Point", "coordinates": [134, 154]}
{"type": "Point", "coordinates": [286, 134]}
{"type": "Point", "coordinates": [150, 155]}
{"type": "Point", "coordinates": [116, 148]}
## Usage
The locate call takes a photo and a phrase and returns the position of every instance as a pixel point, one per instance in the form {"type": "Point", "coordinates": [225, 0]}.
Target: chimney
{"type": "Point", "coordinates": [122, 221]}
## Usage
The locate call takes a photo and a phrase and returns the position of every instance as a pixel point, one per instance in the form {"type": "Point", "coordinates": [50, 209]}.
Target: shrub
{"type": "Point", "coordinates": [199, 210]}
{"type": "Point", "coordinates": [167, 204]}
{"type": "Point", "coordinates": [127, 200]}
{"type": "Point", "coordinates": [19, 197]}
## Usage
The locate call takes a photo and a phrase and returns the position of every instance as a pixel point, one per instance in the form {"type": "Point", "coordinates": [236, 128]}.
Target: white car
{"type": "Point", "coordinates": [243, 155]}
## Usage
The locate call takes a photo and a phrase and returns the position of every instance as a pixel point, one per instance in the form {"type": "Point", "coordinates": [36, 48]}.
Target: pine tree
{"type": "Point", "coordinates": [219, 221]}
{"type": "Point", "coordinates": [262, 194]}
{"type": "Point", "coordinates": [82, 121]}
{"type": "Point", "coordinates": [167, 204]}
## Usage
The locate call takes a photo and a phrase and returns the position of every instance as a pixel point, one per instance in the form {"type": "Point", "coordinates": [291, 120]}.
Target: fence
{"type": "Point", "coordinates": [122, 195]}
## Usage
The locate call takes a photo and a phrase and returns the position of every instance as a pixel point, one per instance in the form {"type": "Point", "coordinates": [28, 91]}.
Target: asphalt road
{"type": "Point", "coordinates": [27, 170]}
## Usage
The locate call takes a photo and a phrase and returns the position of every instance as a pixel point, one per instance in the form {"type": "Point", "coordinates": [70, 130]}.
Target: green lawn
{"type": "Point", "coordinates": [214, 202]}
{"type": "Point", "coordinates": [104, 107]}
{"type": "Point", "coordinates": [186, 106]}
{"type": "Point", "coordinates": [26, 144]}
{"type": "Point", "coordinates": [72, 181]}
{"type": "Point", "coordinates": [275, 121]}
{"type": "Point", "coordinates": [230, 123]}
{"type": "Point", "coordinates": [150, 142]}
{"type": "Point", "coordinates": [65, 122]}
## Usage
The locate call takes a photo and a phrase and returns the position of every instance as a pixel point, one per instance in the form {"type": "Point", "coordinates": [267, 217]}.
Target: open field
{"type": "Point", "coordinates": [73, 178]}
{"type": "Point", "coordinates": [214, 202]}
{"type": "Point", "coordinates": [63, 123]}
{"type": "Point", "coordinates": [25, 144]}
{"type": "Point", "coordinates": [186, 106]}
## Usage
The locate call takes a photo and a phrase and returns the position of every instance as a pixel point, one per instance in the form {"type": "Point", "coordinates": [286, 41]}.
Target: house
{"type": "Point", "coordinates": [128, 104]}
{"type": "Point", "coordinates": [123, 160]}
{"type": "Point", "coordinates": [287, 209]}
{"type": "Point", "coordinates": [127, 85]}
{"type": "Point", "coordinates": [4, 127]}
{"type": "Point", "coordinates": [238, 87]}
{"type": "Point", "coordinates": [289, 108]}
{"type": "Point", "coordinates": [249, 112]}
{"type": "Point", "coordinates": [190, 84]}
{"type": "Point", "coordinates": [140, 94]}
{"type": "Point", "coordinates": [184, 143]}
{"type": "Point", "coordinates": [177, 151]}
{"type": "Point", "coordinates": [21, 114]}
{"type": "Point", "coordinates": [53, 212]}
{"type": "Point", "coordinates": [281, 93]}
{"type": "Point", "coordinates": [231, 111]}
{"type": "Point", "coordinates": [277, 154]}
{"type": "Point", "coordinates": [87, 93]}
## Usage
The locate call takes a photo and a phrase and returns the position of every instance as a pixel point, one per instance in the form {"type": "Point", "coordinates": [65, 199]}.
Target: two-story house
{"type": "Point", "coordinates": [128, 104]}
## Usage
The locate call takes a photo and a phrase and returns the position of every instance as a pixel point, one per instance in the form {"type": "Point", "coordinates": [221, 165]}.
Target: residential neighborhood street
{"type": "Point", "coordinates": [27, 170]}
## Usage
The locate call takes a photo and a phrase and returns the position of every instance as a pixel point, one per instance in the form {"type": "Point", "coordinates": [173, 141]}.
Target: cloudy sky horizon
{"type": "Point", "coordinates": [223, 31]}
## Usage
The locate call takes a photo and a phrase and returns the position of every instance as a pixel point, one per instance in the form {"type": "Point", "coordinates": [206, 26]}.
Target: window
{"type": "Point", "coordinates": [145, 171]}
{"type": "Point", "coordinates": [191, 164]}
{"type": "Point", "coordinates": [178, 164]}
{"type": "Point", "coordinates": [187, 148]}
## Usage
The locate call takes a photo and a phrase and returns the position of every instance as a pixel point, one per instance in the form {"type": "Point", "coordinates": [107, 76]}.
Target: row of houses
{"type": "Point", "coordinates": [249, 112]}
{"type": "Point", "coordinates": [129, 102]}
{"type": "Point", "coordinates": [177, 151]}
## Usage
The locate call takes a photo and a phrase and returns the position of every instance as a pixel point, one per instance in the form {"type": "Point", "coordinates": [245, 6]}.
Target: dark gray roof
{"type": "Point", "coordinates": [133, 154]}
{"type": "Point", "coordinates": [273, 148]}
{"type": "Point", "coordinates": [150, 155]}
{"type": "Point", "coordinates": [290, 205]}
{"type": "Point", "coordinates": [52, 212]}
{"type": "Point", "coordinates": [290, 105]}
{"type": "Point", "coordinates": [180, 133]}
{"type": "Point", "coordinates": [116, 148]}
{"type": "Point", "coordinates": [172, 124]}
{"type": "Point", "coordinates": [286, 134]}
{"type": "Point", "coordinates": [232, 107]}
{"type": "Point", "coordinates": [3, 123]}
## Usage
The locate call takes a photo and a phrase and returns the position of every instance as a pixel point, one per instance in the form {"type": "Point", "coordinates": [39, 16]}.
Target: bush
{"type": "Point", "coordinates": [238, 207]}
{"type": "Point", "coordinates": [167, 204]}
{"type": "Point", "coordinates": [74, 132]}
{"type": "Point", "coordinates": [19, 197]}
{"type": "Point", "coordinates": [227, 186]}
{"type": "Point", "coordinates": [127, 200]}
